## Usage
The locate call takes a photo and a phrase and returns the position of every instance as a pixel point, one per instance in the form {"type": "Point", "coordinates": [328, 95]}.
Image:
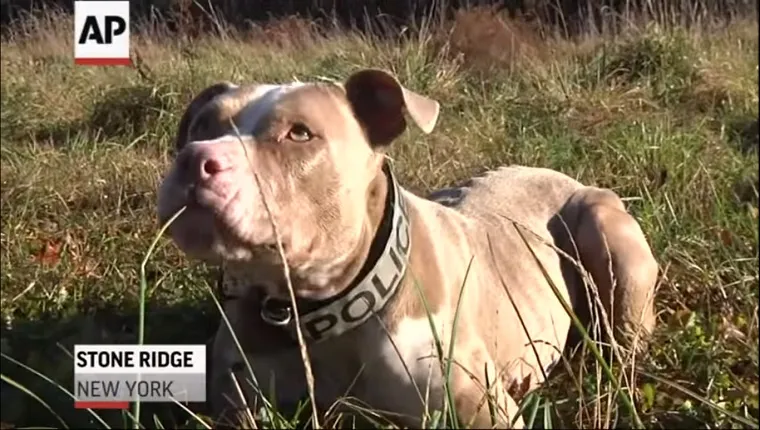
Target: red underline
{"type": "Point", "coordinates": [101, 405]}
{"type": "Point", "coordinates": [103, 61]}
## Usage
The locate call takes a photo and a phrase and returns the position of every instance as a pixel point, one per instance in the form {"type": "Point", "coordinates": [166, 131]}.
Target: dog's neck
{"type": "Point", "coordinates": [368, 281]}
{"type": "Point", "coordinates": [368, 246]}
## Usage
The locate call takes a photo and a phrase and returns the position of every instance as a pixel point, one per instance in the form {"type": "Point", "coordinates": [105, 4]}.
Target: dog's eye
{"type": "Point", "coordinates": [300, 133]}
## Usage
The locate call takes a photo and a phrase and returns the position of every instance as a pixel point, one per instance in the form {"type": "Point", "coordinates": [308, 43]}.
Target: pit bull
{"type": "Point", "coordinates": [288, 188]}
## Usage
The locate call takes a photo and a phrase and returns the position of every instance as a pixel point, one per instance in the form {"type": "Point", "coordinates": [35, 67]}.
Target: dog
{"type": "Point", "coordinates": [288, 188]}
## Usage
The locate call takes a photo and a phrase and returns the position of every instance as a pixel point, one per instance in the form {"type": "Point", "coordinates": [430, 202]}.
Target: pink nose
{"type": "Point", "coordinates": [203, 162]}
{"type": "Point", "coordinates": [211, 166]}
{"type": "Point", "coordinates": [207, 166]}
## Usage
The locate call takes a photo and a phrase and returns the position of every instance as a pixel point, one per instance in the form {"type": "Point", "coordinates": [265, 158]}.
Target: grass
{"type": "Point", "coordinates": [666, 117]}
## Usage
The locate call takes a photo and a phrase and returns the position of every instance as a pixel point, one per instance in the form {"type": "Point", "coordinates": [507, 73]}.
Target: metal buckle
{"type": "Point", "coordinates": [275, 315]}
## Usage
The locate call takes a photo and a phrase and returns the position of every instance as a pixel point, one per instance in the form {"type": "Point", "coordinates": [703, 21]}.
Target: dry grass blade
{"type": "Point", "coordinates": [286, 272]}
{"type": "Point", "coordinates": [627, 401]}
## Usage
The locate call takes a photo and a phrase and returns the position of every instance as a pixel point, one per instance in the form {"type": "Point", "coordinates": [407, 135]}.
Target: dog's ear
{"type": "Point", "coordinates": [379, 100]}
{"type": "Point", "coordinates": [194, 107]}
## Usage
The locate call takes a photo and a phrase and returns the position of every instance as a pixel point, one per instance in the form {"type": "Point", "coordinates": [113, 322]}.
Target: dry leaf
{"type": "Point", "coordinates": [50, 253]}
{"type": "Point", "coordinates": [726, 238]}
{"type": "Point", "coordinates": [681, 316]}
{"type": "Point", "coordinates": [87, 267]}
{"type": "Point", "coordinates": [518, 389]}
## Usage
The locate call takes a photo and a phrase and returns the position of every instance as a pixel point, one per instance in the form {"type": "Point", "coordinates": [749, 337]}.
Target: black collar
{"type": "Point", "coordinates": [375, 284]}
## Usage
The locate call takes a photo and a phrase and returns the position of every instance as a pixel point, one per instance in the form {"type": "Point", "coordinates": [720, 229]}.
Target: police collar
{"type": "Point", "coordinates": [375, 284]}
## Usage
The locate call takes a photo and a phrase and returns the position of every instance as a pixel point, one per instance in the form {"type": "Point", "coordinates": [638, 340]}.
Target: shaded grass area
{"type": "Point", "coordinates": [666, 118]}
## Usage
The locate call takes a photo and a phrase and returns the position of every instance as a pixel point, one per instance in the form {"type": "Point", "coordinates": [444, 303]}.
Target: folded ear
{"type": "Point", "coordinates": [195, 106]}
{"type": "Point", "coordinates": [379, 100]}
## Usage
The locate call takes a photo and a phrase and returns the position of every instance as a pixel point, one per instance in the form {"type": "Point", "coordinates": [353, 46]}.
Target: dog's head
{"type": "Point", "coordinates": [312, 152]}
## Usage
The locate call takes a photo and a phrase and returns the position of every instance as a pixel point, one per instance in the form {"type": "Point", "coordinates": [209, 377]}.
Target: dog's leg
{"type": "Point", "coordinates": [229, 385]}
{"type": "Point", "coordinates": [471, 399]}
{"type": "Point", "coordinates": [228, 409]}
{"type": "Point", "coordinates": [235, 398]}
{"type": "Point", "coordinates": [614, 250]}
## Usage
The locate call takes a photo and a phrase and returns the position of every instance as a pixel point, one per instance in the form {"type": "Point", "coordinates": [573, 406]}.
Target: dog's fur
{"type": "Point", "coordinates": [315, 152]}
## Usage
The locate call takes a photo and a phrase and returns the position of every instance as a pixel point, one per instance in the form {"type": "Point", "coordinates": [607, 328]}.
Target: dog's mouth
{"type": "Point", "coordinates": [217, 226]}
{"type": "Point", "coordinates": [206, 199]}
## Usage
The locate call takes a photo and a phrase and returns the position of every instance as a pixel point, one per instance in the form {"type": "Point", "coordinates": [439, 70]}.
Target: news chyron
{"type": "Point", "coordinates": [113, 376]}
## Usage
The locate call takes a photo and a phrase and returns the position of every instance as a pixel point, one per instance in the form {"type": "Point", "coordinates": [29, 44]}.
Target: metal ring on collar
{"type": "Point", "coordinates": [275, 315]}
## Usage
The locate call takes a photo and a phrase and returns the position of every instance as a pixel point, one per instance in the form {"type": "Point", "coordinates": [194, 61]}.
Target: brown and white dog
{"type": "Point", "coordinates": [363, 252]}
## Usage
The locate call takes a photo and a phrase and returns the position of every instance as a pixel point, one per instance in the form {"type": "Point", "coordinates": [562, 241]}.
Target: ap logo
{"type": "Point", "coordinates": [101, 33]}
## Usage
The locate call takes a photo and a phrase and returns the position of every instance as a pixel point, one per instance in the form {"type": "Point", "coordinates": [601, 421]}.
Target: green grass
{"type": "Point", "coordinates": [665, 117]}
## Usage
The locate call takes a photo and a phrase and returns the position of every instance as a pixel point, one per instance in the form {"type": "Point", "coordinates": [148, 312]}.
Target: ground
{"type": "Point", "coordinates": [666, 117]}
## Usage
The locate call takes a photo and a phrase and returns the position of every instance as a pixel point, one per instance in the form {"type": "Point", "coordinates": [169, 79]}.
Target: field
{"type": "Point", "coordinates": [665, 116]}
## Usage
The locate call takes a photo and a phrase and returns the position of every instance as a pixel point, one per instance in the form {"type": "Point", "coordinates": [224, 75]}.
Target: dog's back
{"type": "Point", "coordinates": [530, 196]}
{"type": "Point", "coordinates": [566, 224]}
{"type": "Point", "coordinates": [498, 203]}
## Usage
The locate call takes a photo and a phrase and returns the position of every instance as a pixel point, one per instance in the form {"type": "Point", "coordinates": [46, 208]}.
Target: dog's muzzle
{"type": "Point", "coordinates": [376, 284]}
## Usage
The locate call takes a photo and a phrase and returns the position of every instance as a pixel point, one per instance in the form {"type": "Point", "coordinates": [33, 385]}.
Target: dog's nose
{"type": "Point", "coordinates": [211, 166]}
{"type": "Point", "coordinates": [202, 161]}
{"type": "Point", "coordinates": [207, 165]}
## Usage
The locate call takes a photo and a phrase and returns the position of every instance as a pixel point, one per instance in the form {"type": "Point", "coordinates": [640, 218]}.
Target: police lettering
{"type": "Point", "coordinates": [360, 305]}
{"type": "Point", "coordinates": [317, 326]}
{"type": "Point", "coordinates": [349, 313]}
